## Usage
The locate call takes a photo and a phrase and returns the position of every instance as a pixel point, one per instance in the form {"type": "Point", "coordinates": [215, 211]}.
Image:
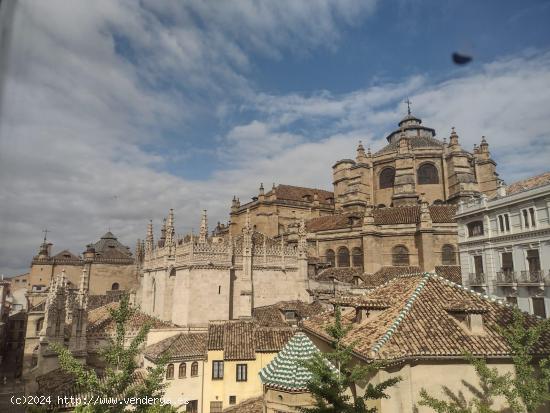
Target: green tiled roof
{"type": "Point", "coordinates": [286, 370]}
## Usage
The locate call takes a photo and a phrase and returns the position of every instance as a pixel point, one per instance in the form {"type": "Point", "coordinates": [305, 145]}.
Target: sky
{"type": "Point", "coordinates": [113, 112]}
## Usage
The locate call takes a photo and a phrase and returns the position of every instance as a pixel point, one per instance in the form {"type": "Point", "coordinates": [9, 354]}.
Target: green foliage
{"type": "Point", "coordinates": [524, 391]}
{"type": "Point", "coordinates": [120, 379]}
{"type": "Point", "coordinates": [335, 375]}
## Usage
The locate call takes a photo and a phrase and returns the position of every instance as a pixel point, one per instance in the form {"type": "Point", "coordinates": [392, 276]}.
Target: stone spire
{"type": "Point", "coordinates": [302, 239]}
{"type": "Point", "coordinates": [453, 140]}
{"type": "Point", "coordinates": [203, 232]}
{"type": "Point", "coordinates": [170, 233]}
{"type": "Point", "coordinates": [361, 156]}
{"type": "Point", "coordinates": [162, 238]}
{"type": "Point", "coordinates": [79, 318]}
{"type": "Point", "coordinates": [149, 239]}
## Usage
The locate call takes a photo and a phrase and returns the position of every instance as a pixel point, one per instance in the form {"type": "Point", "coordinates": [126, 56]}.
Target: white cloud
{"type": "Point", "coordinates": [77, 115]}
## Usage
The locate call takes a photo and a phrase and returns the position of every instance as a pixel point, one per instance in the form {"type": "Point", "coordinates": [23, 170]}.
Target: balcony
{"type": "Point", "coordinates": [477, 279]}
{"type": "Point", "coordinates": [506, 278]}
{"type": "Point", "coordinates": [531, 278]}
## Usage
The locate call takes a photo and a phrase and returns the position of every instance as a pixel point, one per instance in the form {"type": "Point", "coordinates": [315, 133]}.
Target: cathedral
{"type": "Point", "coordinates": [390, 212]}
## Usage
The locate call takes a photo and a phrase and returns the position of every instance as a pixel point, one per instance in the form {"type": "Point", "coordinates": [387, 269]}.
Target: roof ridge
{"type": "Point", "coordinates": [402, 314]}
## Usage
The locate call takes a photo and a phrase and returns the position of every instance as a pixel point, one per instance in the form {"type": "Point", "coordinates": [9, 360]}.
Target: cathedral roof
{"type": "Point", "coordinates": [109, 247]}
{"type": "Point", "coordinates": [298, 193]}
{"type": "Point", "coordinates": [416, 143]}
{"type": "Point", "coordinates": [287, 370]}
{"type": "Point", "coordinates": [179, 347]}
{"type": "Point", "coordinates": [408, 214]}
{"type": "Point", "coordinates": [66, 255]}
{"type": "Point", "coordinates": [421, 322]}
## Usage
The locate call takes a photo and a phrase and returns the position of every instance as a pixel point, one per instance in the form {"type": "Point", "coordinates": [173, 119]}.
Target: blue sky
{"type": "Point", "coordinates": [115, 111]}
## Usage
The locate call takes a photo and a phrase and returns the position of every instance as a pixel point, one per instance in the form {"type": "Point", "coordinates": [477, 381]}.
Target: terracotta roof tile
{"type": "Point", "coordinates": [529, 183]}
{"type": "Point", "coordinates": [240, 340]}
{"type": "Point", "coordinates": [297, 193]}
{"type": "Point", "coordinates": [179, 347]}
{"type": "Point", "coordinates": [408, 214]}
{"type": "Point", "coordinates": [419, 323]}
{"type": "Point", "coordinates": [101, 322]}
{"type": "Point", "coordinates": [450, 272]}
{"type": "Point", "coordinates": [273, 315]}
{"type": "Point", "coordinates": [385, 274]}
{"type": "Point", "coordinates": [342, 274]}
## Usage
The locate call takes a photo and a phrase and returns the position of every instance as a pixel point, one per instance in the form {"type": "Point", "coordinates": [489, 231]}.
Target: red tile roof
{"type": "Point", "coordinates": [183, 346]}
{"type": "Point", "coordinates": [529, 183]}
{"type": "Point", "coordinates": [297, 193]}
{"type": "Point", "coordinates": [273, 315]}
{"type": "Point", "coordinates": [100, 320]}
{"type": "Point", "coordinates": [409, 214]}
{"type": "Point", "coordinates": [241, 340]}
{"type": "Point", "coordinates": [420, 322]}
{"type": "Point", "coordinates": [254, 405]}
{"type": "Point", "coordinates": [450, 272]}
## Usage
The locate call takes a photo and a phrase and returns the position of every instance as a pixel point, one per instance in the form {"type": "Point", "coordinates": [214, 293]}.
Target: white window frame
{"type": "Point", "coordinates": [532, 219]}
{"type": "Point", "coordinates": [505, 229]}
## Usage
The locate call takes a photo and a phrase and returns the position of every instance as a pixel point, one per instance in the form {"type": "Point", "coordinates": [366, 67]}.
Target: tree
{"type": "Point", "coordinates": [334, 373]}
{"type": "Point", "coordinates": [120, 379]}
{"type": "Point", "coordinates": [524, 391]}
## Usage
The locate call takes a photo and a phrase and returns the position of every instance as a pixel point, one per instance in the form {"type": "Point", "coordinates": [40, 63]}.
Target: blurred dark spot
{"type": "Point", "coordinates": [461, 59]}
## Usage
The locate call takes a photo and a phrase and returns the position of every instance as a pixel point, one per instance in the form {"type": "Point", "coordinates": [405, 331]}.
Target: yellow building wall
{"type": "Point", "coordinates": [220, 390]}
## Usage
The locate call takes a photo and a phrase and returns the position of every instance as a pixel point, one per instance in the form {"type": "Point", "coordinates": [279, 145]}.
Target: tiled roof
{"type": "Point", "coordinates": [408, 214]}
{"type": "Point", "coordinates": [416, 142]}
{"type": "Point", "coordinates": [329, 222]}
{"type": "Point", "coordinates": [297, 193]}
{"type": "Point", "coordinates": [450, 272]}
{"type": "Point", "coordinates": [342, 274]}
{"type": "Point", "coordinates": [360, 302]}
{"type": "Point", "coordinates": [240, 340]}
{"type": "Point", "coordinates": [273, 315]}
{"type": "Point", "coordinates": [421, 322]}
{"type": "Point", "coordinates": [287, 371]}
{"type": "Point", "coordinates": [385, 274]}
{"type": "Point", "coordinates": [179, 347]}
{"type": "Point", "coordinates": [66, 255]}
{"type": "Point", "coordinates": [109, 247]}
{"type": "Point", "coordinates": [100, 320]}
{"type": "Point", "coordinates": [529, 183]}
{"type": "Point", "coordinates": [254, 405]}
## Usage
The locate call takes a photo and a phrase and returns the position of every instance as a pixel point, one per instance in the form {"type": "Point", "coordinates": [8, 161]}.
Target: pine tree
{"type": "Point", "coordinates": [524, 391]}
{"type": "Point", "coordinates": [334, 375]}
{"type": "Point", "coordinates": [120, 379]}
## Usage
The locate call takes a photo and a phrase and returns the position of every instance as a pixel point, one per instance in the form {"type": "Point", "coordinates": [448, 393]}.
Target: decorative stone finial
{"type": "Point", "coordinates": [203, 233]}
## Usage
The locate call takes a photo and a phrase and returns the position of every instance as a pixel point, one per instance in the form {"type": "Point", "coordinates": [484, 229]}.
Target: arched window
{"type": "Point", "coordinates": [115, 286]}
{"type": "Point", "coordinates": [427, 174]}
{"type": "Point", "coordinates": [170, 371]}
{"type": "Point", "coordinates": [357, 257]}
{"type": "Point", "coordinates": [39, 325]}
{"type": "Point", "coordinates": [343, 257]}
{"type": "Point", "coordinates": [400, 255]}
{"type": "Point", "coordinates": [194, 369]}
{"type": "Point", "coordinates": [182, 372]}
{"type": "Point", "coordinates": [331, 257]}
{"type": "Point", "coordinates": [475, 228]}
{"type": "Point", "coordinates": [387, 177]}
{"type": "Point", "coordinates": [448, 256]}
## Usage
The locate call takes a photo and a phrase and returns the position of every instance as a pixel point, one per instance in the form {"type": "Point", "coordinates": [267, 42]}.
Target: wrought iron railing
{"type": "Point", "coordinates": [506, 277]}
{"type": "Point", "coordinates": [477, 279]}
{"type": "Point", "coordinates": [530, 277]}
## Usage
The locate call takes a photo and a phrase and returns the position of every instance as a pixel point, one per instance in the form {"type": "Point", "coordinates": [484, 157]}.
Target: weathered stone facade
{"type": "Point", "coordinates": [191, 280]}
{"type": "Point", "coordinates": [109, 265]}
